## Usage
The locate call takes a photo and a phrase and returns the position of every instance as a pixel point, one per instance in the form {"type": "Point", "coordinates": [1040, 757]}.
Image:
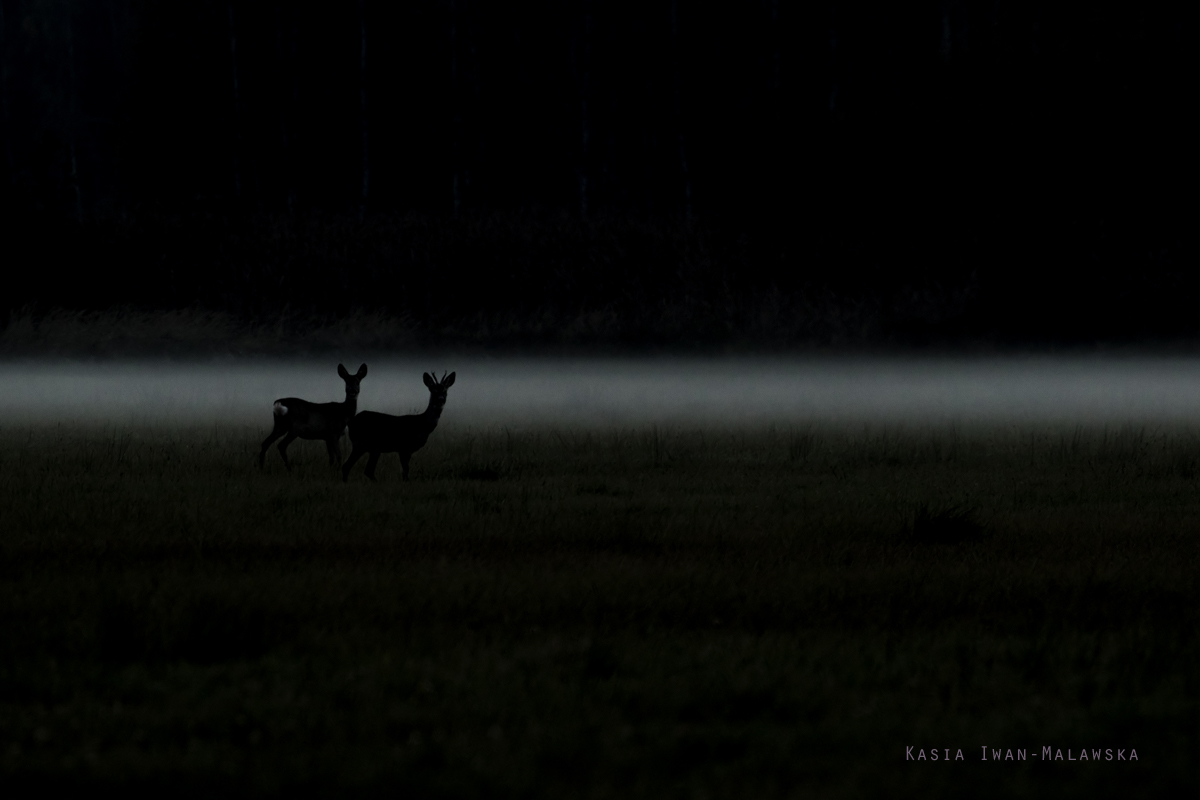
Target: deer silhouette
{"type": "Point", "coordinates": [300, 419]}
{"type": "Point", "coordinates": [375, 433]}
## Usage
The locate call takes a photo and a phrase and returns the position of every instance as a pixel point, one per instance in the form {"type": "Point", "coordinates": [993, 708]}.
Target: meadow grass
{"type": "Point", "coordinates": [650, 612]}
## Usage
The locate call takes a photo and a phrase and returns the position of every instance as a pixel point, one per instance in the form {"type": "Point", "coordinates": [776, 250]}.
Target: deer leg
{"type": "Point", "coordinates": [275, 434]}
{"type": "Point", "coordinates": [355, 455]}
{"type": "Point", "coordinates": [335, 451]}
{"type": "Point", "coordinates": [371, 462]}
{"type": "Point", "coordinates": [291, 437]}
{"type": "Point", "coordinates": [404, 457]}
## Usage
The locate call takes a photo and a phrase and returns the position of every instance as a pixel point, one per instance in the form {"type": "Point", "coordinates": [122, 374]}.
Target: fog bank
{"type": "Point", "coordinates": [622, 391]}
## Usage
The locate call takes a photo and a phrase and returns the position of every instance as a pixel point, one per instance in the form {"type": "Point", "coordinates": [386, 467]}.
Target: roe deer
{"type": "Point", "coordinates": [296, 418]}
{"type": "Point", "coordinates": [375, 433]}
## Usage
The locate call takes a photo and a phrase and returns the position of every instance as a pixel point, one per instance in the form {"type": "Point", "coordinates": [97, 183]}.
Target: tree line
{"type": "Point", "coordinates": [854, 148]}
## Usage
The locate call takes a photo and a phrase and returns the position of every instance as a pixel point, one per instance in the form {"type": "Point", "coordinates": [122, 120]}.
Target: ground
{"type": "Point", "coordinates": [656, 612]}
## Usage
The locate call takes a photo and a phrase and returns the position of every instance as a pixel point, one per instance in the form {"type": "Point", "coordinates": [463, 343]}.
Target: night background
{"type": "Point", "coordinates": [668, 174]}
{"type": "Point", "coordinates": [794, 392]}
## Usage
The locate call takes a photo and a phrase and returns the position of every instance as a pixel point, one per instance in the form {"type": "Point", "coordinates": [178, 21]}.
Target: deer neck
{"type": "Point", "coordinates": [432, 413]}
{"type": "Point", "coordinates": [349, 406]}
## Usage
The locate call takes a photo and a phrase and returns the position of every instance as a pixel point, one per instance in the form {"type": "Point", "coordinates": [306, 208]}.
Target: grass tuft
{"type": "Point", "coordinates": [946, 525]}
{"type": "Point", "coordinates": [481, 474]}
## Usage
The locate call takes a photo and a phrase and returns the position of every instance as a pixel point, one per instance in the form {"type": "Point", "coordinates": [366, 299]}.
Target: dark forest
{"type": "Point", "coordinates": [855, 174]}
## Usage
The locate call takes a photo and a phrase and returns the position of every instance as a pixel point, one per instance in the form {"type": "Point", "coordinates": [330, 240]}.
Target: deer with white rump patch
{"type": "Point", "coordinates": [300, 419]}
{"type": "Point", "coordinates": [375, 433]}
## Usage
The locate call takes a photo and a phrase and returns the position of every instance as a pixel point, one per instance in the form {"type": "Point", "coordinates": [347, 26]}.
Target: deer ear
{"type": "Point", "coordinates": [342, 371]}
{"type": "Point", "coordinates": [362, 372]}
{"type": "Point", "coordinates": [428, 380]}
{"type": "Point", "coordinates": [448, 381]}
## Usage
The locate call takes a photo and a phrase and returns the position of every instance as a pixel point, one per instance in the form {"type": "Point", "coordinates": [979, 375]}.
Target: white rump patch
{"type": "Point", "coordinates": [280, 409]}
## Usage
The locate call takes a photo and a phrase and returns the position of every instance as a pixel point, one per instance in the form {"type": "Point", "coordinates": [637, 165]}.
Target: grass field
{"type": "Point", "coordinates": [645, 612]}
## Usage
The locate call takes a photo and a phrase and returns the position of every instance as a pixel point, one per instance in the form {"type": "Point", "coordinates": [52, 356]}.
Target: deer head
{"type": "Point", "coordinates": [438, 389]}
{"type": "Point", "coordinates": [352, 381]}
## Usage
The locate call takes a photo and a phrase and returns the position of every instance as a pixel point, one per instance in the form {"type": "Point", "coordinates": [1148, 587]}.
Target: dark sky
{"type": "Point", "coordinates": [1026, 153]}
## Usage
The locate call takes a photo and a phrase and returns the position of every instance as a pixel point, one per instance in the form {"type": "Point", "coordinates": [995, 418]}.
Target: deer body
{"type": "Point", "coordinates": [300, 419]}
{"type": "Point", "coordinates": [375, 433]}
